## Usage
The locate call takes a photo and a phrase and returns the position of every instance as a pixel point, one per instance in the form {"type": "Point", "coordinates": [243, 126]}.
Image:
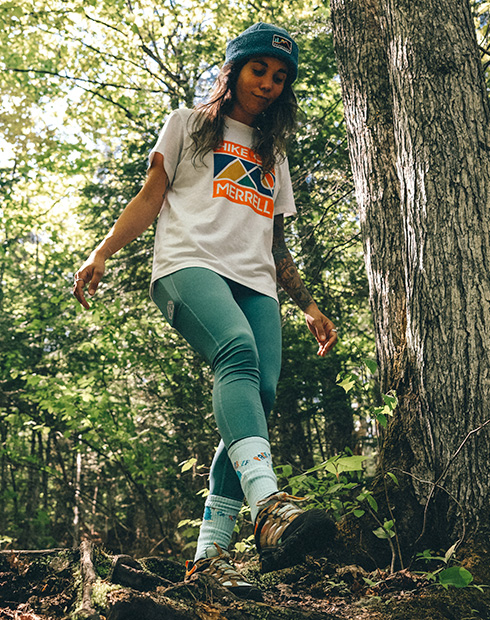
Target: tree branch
{"type": "Point", "coordinates": [80, 79]}
{"type": "Point", "coordinates": [437, 483]}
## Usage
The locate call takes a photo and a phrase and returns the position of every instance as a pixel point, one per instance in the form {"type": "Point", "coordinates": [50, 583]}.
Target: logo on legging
{"type": "Point", "coordinates": [170, 310]}
{"type": "Point", "coordinates": [238, 176]}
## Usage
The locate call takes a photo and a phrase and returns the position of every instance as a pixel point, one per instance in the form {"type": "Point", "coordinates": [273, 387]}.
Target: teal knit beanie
{"type": "Point", "coordinates": [265, 40]}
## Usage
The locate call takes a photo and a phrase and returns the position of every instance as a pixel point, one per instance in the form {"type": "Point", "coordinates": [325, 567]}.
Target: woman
{"type": "Point", "coordinates": [223, 178]}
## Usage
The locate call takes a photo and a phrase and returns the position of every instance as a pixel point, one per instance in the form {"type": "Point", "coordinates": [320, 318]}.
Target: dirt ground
{"type": "Point", "coordinates": [51, 585]}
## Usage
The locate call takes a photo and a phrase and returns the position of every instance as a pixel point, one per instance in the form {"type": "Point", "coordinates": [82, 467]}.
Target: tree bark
{"type": "Point", "coordinates": [418, 117]}
{"type": "Point", "coordinates": [366, 92]}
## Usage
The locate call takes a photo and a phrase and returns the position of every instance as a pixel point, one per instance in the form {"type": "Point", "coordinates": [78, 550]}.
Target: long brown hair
{"type": "Point", "coordinates": [272, 128]}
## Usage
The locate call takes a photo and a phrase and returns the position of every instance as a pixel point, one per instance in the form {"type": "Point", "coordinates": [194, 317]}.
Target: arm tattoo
{"type": "Point", "coordinates": [287, 273]}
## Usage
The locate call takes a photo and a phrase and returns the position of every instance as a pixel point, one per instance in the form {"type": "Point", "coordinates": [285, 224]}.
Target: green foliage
{"type": "Point", "coordinates": [6, 540]}
{"type": "Point", "coordinates": [358, 378]}
{"type": "Point", "coordinates": [246, 545]}
{"type": "Point", "coordinates": [456, 576]}
{"type": "Point", "coordinates": [446, 575]}
{"type": "Point", "coordinates": [189, 530]}
{"type": "Point", "coordinates": [336, 485]}
{"type": "Point", "coordinates": [385, 531]}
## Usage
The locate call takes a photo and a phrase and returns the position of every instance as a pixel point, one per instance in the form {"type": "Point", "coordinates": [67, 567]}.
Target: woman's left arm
{"type": "Point", "coordinates": [288, 277]}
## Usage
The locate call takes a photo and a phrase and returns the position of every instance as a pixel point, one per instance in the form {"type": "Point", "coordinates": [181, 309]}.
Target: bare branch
{"type": "Point", "coordinates": [484, 51]}
{"type": "Point", "coordinates": [98, 21]}
{"type": "Point", "coordinates": [80, 79]}
{"type": "Point", "coordinates": [437, 483]}
{"type": "Point", "coordinates": [96, 93]}
{"type": "Point", "coordinates": [463, 534]}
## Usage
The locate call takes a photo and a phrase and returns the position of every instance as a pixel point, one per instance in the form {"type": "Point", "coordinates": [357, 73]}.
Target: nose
{"type": "Point", "coordinates": [266, 82]}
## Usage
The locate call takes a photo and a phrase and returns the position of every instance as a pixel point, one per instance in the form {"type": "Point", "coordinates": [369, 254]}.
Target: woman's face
{"type": "Point", "coordinates": [259, 84]}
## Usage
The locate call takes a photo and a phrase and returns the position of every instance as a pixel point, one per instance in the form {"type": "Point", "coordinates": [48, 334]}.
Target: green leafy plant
{"type": "Point", "coordinates": [360, 378]}
{"type": "Point", "coordinates": [339, 484]}
{"type": "Point", "coordinates": [5, 540]}
{"type": "Point", "coordinates": [247, 545]}
{"type": "Point", "coordinates": [331, 485]}
{"type": "Point", "coordinates": [190, 531]}
{"type": "Point", "coordinates": [445, 575]}
{"type": "Point", "coordinates": [190, 527]}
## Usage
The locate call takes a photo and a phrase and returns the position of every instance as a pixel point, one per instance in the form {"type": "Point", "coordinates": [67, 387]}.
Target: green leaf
{"type": "Point", "coordinates": [456, 576]}
{"type": "Point", "coordinates": [334, 488]}
{"type": "Point", "coordinates": [371, 365]}
{"type": "Point", "coordinates": [381, 532]}
{"type": "Point", "coordinates": [450, 552]}
{"type": "Point", "coordinates": [287, 471]}
{"type": "Point", "coordinates": [345, 463]}
{"type": "Point", "coordinates": [372, 502]}
{"type": "Point", "coordinates": [347, 383]}
{"type": "Point", "coordinates": [189, 464]}
{"type": "Point", "coordinates": [368, 581]}
{"type": "Point", "coordinates": [391, 400]}
{"type": "Point", "coordinates": [359, 513]}
{"type": "Point", "coordinates": [337, 504]}
{"type": "Point", "coordinates": [393, 477]}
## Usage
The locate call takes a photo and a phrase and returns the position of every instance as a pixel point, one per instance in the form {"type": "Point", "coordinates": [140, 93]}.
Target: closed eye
{"type": "Point", "coordinates": [278, 79]}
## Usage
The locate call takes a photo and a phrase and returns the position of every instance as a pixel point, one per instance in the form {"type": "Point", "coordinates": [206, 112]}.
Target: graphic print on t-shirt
{"type": "Point", "coordinates": [238, 177]}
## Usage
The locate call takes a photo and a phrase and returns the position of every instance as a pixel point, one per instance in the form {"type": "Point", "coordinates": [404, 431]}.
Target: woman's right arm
{"type": "Point", "coordinates": [138, 215]}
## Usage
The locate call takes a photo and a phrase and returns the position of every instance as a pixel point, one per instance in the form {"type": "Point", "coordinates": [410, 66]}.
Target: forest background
{"type": "Point", "coordinates": [106, 425]}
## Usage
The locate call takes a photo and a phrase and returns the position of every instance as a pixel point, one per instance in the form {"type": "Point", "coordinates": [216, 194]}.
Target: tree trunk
{"type": "Point", "coordinates": [418, 117]}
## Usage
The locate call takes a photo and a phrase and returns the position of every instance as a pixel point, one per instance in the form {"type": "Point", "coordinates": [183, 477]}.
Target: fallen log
{"type": "Point", "coordinates": [86, 610]}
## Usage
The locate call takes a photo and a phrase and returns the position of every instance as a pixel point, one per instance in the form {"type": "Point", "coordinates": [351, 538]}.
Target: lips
{"type": "Point", "coordinates": [261, 98]}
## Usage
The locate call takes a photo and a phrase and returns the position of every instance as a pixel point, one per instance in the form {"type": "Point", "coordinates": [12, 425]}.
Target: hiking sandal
{"type": "Point", "coordinates": [285, 533]}
{"type": "Point", "coordinates": [219, 568]}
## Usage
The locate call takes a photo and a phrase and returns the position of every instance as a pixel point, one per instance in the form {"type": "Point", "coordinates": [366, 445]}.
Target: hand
{"type": "Point", "coordinates": [90, 273]}
{"type": "Point", "coordinates": [322, 328]}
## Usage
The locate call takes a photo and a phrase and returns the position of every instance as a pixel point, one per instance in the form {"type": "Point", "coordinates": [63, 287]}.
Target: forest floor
{"type": "Point", "coordinates": [90, 583]}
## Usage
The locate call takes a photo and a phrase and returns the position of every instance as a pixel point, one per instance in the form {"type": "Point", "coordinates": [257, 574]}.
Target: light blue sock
{"type": "Point", "coordinates": [218, 523]}
{"type": "Point", "coordinates": [251, 458]}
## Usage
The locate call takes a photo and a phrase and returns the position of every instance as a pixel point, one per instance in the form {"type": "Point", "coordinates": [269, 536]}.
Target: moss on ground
{"type": "Point", "coordinates": [167, 569]}
{"type": "Point", "coordinates": [438, 604]}
{"type": "Point", "coordinates": [102, 562]}
{"type": "Point", "coordinates": [100, 590]}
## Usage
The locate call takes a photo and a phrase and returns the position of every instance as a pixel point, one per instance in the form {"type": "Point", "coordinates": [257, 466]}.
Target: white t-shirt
{"type": "Point", "coordinates": [218, 212]}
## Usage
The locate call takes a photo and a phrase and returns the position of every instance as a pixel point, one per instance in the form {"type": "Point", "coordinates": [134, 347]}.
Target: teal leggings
{"type": "Point", "coordinates": [238, 332]}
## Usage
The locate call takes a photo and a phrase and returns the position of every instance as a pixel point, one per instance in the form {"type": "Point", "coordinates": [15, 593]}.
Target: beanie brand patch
{"type": "Point", "coordinates": [282, 43]}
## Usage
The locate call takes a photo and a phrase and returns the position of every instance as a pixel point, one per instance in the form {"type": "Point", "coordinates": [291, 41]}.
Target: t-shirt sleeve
{"type": "Point", "coordinates": [170, 143]}
{"type": "Point", "coordinates": [284, 201]}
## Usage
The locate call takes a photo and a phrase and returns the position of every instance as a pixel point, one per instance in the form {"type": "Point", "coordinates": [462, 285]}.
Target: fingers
{"type": "Point", "coordinates": [85, 276]}
{"type": "Point", "coordinates": [78, 287]}
{"type": "Point", "coordinates": [328, 343]}
{"type": "Point", "coordinates": [94, 282]}
{"type": "Point", "coordinates": [324, 331]}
